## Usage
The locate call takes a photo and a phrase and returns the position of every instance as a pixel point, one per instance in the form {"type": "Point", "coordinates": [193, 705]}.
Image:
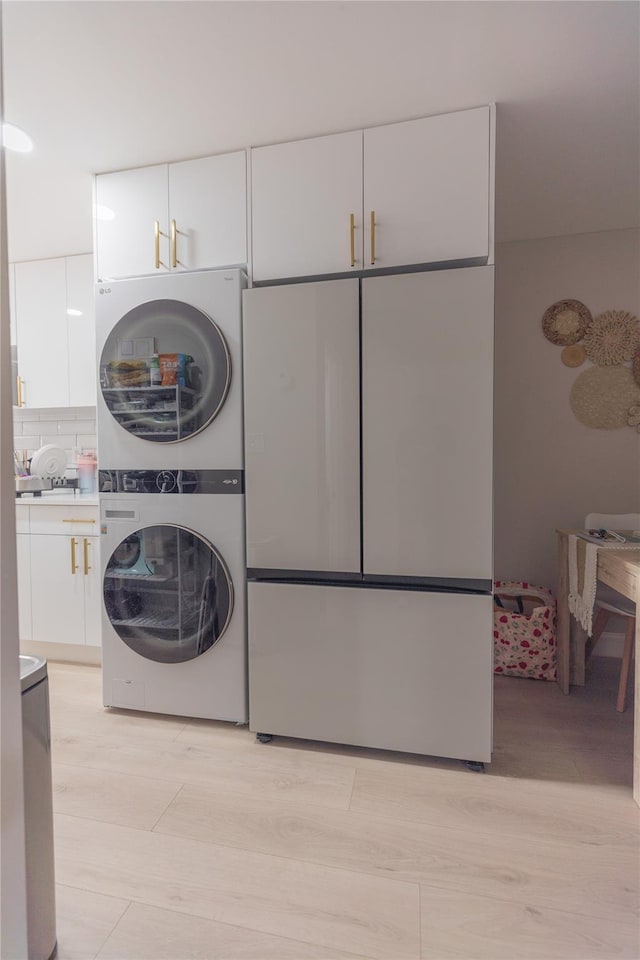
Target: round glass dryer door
{"type": "Point", "coordinates": [168, 593]}
{"type": "Point", "coordinates": [165, 371]}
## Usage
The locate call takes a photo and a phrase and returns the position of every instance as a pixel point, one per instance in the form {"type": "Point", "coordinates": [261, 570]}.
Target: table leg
{"type": "Point", "coordinates": [636, 716]}
{"type": "Point", "coordinates": [563, 628]}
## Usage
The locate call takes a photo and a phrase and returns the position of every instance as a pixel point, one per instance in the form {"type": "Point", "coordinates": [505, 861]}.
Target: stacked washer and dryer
{"type": "Point", "coordinates": [171, 491]}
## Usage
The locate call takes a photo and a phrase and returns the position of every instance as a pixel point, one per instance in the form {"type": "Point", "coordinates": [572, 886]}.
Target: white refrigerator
{"type": "Point", "coordinates": [368, 432]}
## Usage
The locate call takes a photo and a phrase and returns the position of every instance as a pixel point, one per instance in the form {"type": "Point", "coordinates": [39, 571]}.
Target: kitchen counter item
{"type": "Point", "coordinates": [38, 809]}
{"type": "Point", "coordinates": [33, 485]}
{"type": "Point", "coordinates": [48, 462]}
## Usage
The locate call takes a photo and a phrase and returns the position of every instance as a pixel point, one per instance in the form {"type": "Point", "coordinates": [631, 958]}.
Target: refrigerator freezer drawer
{"type": "Point", "coordinates": [396, 670]}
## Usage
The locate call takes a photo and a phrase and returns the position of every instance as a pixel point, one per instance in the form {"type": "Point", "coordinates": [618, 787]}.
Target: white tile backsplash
{"type": "Point", "coordinates": [68, 427]}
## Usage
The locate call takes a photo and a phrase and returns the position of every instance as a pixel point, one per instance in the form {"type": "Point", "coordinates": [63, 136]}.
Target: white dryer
{"type": "Point", "coordinates": [169, 370]}
{"type": "Point", "coordinates": [173, 578]}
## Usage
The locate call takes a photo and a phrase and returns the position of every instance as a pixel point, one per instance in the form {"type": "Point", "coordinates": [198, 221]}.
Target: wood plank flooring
{"type": "Point", "coordinates": [183, 839]}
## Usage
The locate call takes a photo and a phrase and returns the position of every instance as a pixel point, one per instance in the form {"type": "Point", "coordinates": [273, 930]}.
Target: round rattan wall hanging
{"type": "Point", "coordinates": [633, 416]}
{"type": "Point", "coordinates": [566, 322]}
{"type": "Point", "coordinates": [573, 356]}
{"type": "Point", "coordinates": [601, 397]}
{"type": "Point", "coordinates": [612, 338]}
{"type": "Point", "coordinates": [635, 366]}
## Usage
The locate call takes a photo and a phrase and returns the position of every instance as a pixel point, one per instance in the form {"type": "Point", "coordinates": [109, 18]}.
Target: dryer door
{"type": "Point", "coordinates": [165, 371]}
{"type": "Point", "coordinates": [168, 593]}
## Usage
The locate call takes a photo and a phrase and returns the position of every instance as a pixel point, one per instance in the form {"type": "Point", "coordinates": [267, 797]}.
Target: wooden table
{"type": "Point", "coordinates": [619, 569]}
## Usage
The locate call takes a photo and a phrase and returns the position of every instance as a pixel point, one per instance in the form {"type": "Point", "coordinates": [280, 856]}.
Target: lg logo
{"type": "Point", "coordinates": [104, 290]}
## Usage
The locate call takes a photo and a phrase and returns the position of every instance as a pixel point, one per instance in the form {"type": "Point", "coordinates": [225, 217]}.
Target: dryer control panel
{"type": "Point", "coordinates": [171, 481]}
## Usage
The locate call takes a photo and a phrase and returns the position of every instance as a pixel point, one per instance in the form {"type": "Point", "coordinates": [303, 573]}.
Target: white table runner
{"type": "Point", "coordinates": [581, 602]}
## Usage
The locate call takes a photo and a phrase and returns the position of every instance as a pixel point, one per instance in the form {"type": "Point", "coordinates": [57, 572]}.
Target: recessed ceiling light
{"type": "Point", "coordinates": [103, 213]}
{"type": "Point", "coordinates": [13, 138]}
{"type": "Point", "coordinates": [74, 313]}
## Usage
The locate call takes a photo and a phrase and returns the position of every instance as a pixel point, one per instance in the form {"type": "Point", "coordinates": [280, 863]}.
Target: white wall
{"type": "Point", "coordinates": [550, 470]}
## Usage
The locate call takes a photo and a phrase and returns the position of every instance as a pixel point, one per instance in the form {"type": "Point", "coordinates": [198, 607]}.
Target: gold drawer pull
{"type": "Point", "coordinates": [86, 546]}
{"type": "Point", "coordinates": [74, 565]}
{"type": "Point", "coordinates": [75, 520]}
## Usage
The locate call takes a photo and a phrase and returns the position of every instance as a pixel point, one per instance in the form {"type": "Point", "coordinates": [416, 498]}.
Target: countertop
{"type": "Point", "coordinates": [59, 498]}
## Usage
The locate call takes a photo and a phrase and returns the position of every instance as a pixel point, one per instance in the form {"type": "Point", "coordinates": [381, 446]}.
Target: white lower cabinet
{"type": "Point", "coordinates": [59, 577]}
{"type": "Point", "coordinates": [392, 669]}
{"type": "Point", "coordinates": [23, 557]}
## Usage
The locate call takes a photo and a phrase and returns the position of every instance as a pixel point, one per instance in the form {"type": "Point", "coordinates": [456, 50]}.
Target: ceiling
{"type": "Point", "coordinates": [104, 86]}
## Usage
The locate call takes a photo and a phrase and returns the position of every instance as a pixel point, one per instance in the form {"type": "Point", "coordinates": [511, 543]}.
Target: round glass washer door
{"type": "Point", "coordinates": [168, 593]}
{"type": "Point", "coordinates": [173, 396]}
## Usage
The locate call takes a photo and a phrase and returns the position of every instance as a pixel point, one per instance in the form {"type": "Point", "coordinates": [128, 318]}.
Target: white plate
{"type": "Point", "coordinates": [49, 461]}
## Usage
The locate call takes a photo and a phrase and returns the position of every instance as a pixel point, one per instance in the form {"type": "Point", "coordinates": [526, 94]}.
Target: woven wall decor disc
{"type": "Point", "coordinates": [612, 338]}
{"type": "Point", "coordinates": [636, 367]}
{"type": "Point", "coordinates": [565, 322]}
{"type": "Point", "coordinates": [573, 356]}
{"type": "Point", "coordinates": [601, 397]}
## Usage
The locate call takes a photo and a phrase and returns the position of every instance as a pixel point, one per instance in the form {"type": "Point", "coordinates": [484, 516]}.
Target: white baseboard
{"type": "Point", "coordinates": [62, 652]}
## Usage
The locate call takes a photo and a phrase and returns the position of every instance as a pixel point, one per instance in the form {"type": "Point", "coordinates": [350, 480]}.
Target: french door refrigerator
{"type": "Point", "coordinates": [368, 432]}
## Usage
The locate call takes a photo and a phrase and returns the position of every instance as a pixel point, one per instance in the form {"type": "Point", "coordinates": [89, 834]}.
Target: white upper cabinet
{"type": "Point", "coordinates": [41, 320]}
{"type": "Point", "coordinates": [81, 332]}
{"type": "Point", "coordinates": [306, 207]}
{"type": "Point", "coordinates": [426, 190]}
{"type": "Point", "coordinates": [179, 216]}
{"type": "Point", "coordinates": [127, 245]}
{"type": "Point", "coordinates": [55, 332]}
{"type": "Point", "coordinates": [424, 186]}
{"type": "Point", "coordinates": [208, 200]}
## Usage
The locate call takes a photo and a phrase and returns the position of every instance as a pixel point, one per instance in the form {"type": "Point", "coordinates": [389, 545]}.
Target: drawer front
{"type": "Point", "coordinates": [66, 521]}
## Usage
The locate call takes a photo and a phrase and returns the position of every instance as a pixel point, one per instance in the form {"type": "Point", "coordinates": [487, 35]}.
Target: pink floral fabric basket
{"type": "Point", "coordinates": [524, 630]}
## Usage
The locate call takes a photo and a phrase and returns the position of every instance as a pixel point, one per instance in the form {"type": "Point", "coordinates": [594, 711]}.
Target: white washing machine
{"type": "Point", "coordinates": [173, 578]}
{"type": "Point", "coordinates": [169, 369]}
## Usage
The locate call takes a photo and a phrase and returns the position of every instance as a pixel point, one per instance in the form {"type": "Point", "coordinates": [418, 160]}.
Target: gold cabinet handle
{"type": "Point", "coordinates": [19, 397]}
{"type": "Point", "coordinates": [174, 244]}
{"type": "Point", "coordinates": [74, 565]}
{"type": "Point", "coordinates": [157, 234]}
{"type": "Point", "coordinates": [76, 520]}
{"type": "Point", "coordinates": [372, 231]}
{"type": "Point", "coordinates": [352, 239]}
{"type": "Point", "coordinates": [85, 546]}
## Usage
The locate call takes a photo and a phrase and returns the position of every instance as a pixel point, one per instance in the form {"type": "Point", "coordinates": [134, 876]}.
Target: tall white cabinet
{"type": "Point", "coordinates": [402, 194]}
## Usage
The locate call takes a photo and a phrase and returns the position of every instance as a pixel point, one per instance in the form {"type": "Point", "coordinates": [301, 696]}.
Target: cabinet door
{"type": "Point", "coordinates": [90, 566]}
{"type": "Point", "coordinates": [427, 424]}
{"type": "Point", "coordinates": [41, 312]}
{"type": "Point", "coordinates": [302, 196]}
{"type": "Point", "coordinates": [208, 201]}
{"type": "Point", "coordinates": [23, 555]}
{"type": "Point", "coordinates": [126, 244]}
{"type": "Point", "coordinates": [57, 589]}
{"type": "Point", "coordinates": [302, 436]}
{"type": "Point", "coordinates": [427, 181]}
{"type": "Point", "coordinates": [81, 331]}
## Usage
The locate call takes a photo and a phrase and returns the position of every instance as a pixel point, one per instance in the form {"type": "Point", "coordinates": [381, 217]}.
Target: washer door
{"type": "Point", "coordinates": [176, 395]}
{"type": "Point", "coordinates": [168, 593]}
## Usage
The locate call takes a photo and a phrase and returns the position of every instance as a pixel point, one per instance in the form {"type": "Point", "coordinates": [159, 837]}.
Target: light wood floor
{"type": "Point", "coordinates": [184, 839]}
